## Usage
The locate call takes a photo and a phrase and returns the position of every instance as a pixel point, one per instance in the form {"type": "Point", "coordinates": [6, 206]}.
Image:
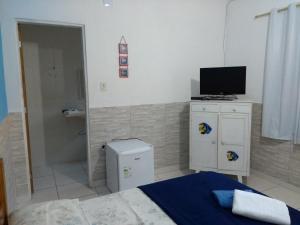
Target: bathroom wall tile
{"type": "Point", "coordinates": [12, 150]}
{"type": "Point", "coordinates": [162, 125]}
{"type": "Point", "coordinates": [147, 123]}
{"type": "Point", "coordinates": [17, 147]}
{"type": "Point", "coordinates": [106, 124]}
{"type": "Point", "coordinates": [280, 159]}
{"type": "Point", "coordinates": [166, 126]}
{"type": "Point", "coordinates": [7, 157]}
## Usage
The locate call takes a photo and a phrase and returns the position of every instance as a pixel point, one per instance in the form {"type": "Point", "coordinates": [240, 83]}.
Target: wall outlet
{"type": "Point", "coordinates": [103, 86]}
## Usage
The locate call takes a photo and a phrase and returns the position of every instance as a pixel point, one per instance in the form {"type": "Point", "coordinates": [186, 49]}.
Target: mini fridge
{"type": "Point", "coordinates": [129, 163]}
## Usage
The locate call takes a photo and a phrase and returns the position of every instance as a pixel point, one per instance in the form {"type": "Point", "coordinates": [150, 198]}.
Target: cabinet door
{"type": "Point", "coordinates": [233, 133]}
{"type": "Point", "coordinates": [203, 146]}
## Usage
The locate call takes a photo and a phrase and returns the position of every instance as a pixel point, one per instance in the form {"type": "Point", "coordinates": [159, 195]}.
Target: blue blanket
{"type": "Point", "coordinates": [189, 200]}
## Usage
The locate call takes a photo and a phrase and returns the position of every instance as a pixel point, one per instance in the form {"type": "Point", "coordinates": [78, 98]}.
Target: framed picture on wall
{"type": "Point", "coordinates": [123, 72]}
{"type": "Point", "coordinates": [123, 48]}
{"type": "Point", "coordinates": [123, 60]}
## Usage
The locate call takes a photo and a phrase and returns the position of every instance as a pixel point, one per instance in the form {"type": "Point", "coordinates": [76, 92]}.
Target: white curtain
{"type": "Point", "coordinates": [281, 100]}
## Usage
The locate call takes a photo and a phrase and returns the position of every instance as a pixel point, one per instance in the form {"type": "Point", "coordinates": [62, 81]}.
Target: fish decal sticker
{"type": "Point", "coordinates": [232, 156]}
{"type": "Point", "coordinates": [204, 128]}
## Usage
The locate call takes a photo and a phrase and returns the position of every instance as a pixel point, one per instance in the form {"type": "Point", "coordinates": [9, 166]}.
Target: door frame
{"type": "Point", "coordinates": [23, 87]}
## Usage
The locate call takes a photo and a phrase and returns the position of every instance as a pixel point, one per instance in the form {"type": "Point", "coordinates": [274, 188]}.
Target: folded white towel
{"type": "Point", "coordinates": [261, 208]}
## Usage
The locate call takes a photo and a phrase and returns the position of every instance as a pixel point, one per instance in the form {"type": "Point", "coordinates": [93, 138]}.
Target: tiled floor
{"type": "Point", "coordinates": [70, 181]}
{"type": "Point", "coordinates": [275, 188]}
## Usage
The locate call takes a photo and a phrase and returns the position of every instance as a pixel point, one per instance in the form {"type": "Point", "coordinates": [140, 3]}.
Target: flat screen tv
{"type": "Point", "coordinates": [223, 80]}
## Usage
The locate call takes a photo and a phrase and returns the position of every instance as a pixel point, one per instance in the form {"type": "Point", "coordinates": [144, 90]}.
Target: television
{"type": "Point", "coordinates": [223, 80]}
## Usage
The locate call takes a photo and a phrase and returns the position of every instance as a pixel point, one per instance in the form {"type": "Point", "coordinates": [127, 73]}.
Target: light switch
{"type": "Point", "coordinates": [103, 86]}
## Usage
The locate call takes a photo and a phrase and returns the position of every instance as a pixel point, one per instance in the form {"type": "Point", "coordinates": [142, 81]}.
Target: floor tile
{"type": "Point", "coordinates": [288, 196]}
{"type": "Point", "coordinates": [84, 166]}
{"type": "Point", "coordinates": [83, 198]}
{"type": "Point", "coordinates": [64, 178]}
{"type": "Point", "coordinates": [290, 187]}
{"type": "Point", "coordinates": [41, 171]}
{"type": "Point", "coordinates": [170, 175]}
{"type": "Point", "coordinates": [44, 195]}
{"type": "Point", "coordinates": [69, 180]}
{"type": "Point", "coordinates": [259, 183]}
{"type": "Point", "coordinates": [166, 169]}
{"type": "Point", "coordinates": [156, 178]}
{"type": "Point", "coordinates": [43, 183]}
{"type": "Point", "coordinates": [74, 191]}
{"type": "Point", "coordinates": [274, 180]}
{"type": "Point", "coordinates": [102, 190]}
{"type": "Point", "coordinates": [100, 183]}
{"type": "Point", "coordinates": [67, 167]}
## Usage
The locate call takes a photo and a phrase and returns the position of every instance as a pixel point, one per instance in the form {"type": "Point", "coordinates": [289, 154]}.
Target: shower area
{"type": "Point", "coordinates": [55, 104]}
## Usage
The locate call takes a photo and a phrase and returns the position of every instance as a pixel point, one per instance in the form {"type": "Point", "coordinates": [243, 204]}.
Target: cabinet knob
{"type": "Point", "coordinates": [203, 108]}
{"type": "Point", "coordinates": [213, 142]}
{"type": "Point", "coordinates": [233, 110]}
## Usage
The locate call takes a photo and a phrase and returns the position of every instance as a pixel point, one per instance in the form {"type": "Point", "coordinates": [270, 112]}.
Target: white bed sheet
{"type": "Point", "coordinates": [61, 212]}
{"type": "Point", "coordinates": [130, 207]}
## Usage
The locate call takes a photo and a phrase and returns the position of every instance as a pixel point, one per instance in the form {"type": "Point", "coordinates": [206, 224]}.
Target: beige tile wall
{"type": "Point", "coordinates": [279, 159]}
{"type": "Point", "coordinates": [12, 150]}
{"type": "Point", "coordinates": [166, 126]}
{"type": "Point", "coordinates": [19, 158]}
{"type": "Point", "coordinates": [6, 154]}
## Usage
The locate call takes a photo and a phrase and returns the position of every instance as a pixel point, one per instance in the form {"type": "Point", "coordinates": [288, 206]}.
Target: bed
{"type": "Point", "coordinates": [185, 201]}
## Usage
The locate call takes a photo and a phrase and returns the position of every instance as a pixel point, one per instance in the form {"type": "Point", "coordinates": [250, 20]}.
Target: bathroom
{"type": "Point", "coordinates": [54, 90]}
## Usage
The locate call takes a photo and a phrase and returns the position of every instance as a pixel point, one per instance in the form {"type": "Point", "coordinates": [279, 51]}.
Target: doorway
{"type": "Point", "coordinates": [55, 99]}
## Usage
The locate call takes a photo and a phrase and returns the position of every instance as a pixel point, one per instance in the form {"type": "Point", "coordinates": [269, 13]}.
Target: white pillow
{"type": "Point", "coordinates": [260, 207]}
{"type": "Point", "coordinates": [60, 212]}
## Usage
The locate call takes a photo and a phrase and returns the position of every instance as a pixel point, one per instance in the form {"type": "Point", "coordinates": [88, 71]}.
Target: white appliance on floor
{"type": "Point", "coordinates": [129, 163]}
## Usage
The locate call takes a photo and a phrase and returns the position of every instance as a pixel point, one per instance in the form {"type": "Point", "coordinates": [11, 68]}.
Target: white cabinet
{"type": "Point", "coordinates": [220, 137]}
{"type": "Point", "coordinates": [206, 143]}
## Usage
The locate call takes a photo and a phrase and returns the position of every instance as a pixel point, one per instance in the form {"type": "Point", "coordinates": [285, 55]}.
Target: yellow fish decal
{"type": "Point", "coordinates": [232, 156]}
{"type": "Point", "coordinates": [204, 128]}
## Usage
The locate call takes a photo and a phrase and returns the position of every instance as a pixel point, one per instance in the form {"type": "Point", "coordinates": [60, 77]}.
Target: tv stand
{"type": "Point", "coordinates": [216, 98]}
{"type": "Point", "coordinates": [220, 137]}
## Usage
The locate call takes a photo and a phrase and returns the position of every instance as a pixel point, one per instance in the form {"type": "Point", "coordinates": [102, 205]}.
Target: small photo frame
{"type": "Point", "coordinates": [123, 48]}
{"type": "Point", "coordinates": [123, 72]}
{"type": "Point", "coordinates": [123, 60]}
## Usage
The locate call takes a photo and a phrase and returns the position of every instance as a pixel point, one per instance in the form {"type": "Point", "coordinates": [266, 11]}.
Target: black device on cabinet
{"type": "Point", "coordinates": [223, 80]}
{"type": "Point", "coordinates": [222, 83]}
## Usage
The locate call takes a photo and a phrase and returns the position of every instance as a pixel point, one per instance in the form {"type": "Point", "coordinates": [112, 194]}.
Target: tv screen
{"type": "Point", "coordinates": [223, 80]}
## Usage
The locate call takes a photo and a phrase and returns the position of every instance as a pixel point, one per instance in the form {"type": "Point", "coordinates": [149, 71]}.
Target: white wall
{"type": "Point", "coordinates": [168, 41]}
{"type": "Point", "coordinates": [246, 39]}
